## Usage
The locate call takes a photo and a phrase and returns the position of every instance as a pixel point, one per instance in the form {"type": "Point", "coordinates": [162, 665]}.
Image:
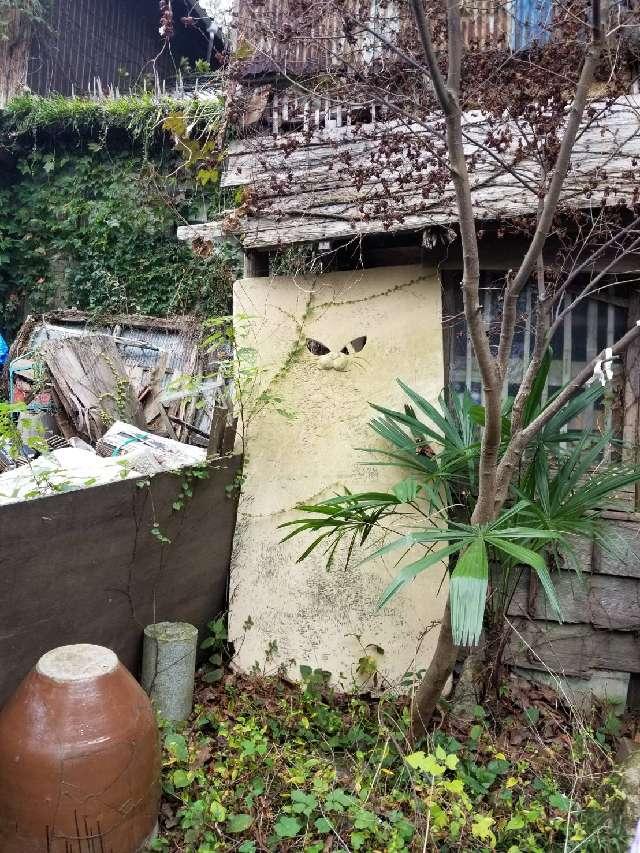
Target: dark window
{"type": "Point", "coordinates": [592, 325]}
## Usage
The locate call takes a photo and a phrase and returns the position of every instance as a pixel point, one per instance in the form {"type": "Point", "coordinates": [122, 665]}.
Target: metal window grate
{"type": "Point", "coordinates": [593, 325]}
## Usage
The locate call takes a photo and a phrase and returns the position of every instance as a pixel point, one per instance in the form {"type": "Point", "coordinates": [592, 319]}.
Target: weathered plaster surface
{"type": "Point", "coordinates": [323, 618]}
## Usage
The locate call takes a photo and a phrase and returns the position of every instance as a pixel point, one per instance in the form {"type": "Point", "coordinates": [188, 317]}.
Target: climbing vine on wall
{"type": "Point", "coordinates": [88, 210]}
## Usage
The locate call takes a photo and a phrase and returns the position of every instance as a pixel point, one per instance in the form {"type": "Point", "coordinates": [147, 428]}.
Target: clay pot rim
{"type": "Point", "coordinates": [77, 662]}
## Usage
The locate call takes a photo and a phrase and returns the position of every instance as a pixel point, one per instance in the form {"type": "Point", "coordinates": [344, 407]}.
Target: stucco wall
{"type": "Point", "coordinates": [302, 613]}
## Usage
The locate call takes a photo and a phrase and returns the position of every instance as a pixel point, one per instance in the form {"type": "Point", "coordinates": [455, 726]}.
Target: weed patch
{"type": "Point", "coordinates": [264, 765]}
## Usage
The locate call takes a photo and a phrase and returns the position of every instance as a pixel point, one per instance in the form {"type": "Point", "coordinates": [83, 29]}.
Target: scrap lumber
{"type": "Point", "coordinates": [218, 426]}
{"type": "Point", "coordinates": [150, 396]}
{"type": "Point", "coordinates": [91, 385]}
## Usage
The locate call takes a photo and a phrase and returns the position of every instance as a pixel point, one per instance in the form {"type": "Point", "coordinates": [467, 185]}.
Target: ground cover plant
{"type": "Point", "coordinates": [264, 765]}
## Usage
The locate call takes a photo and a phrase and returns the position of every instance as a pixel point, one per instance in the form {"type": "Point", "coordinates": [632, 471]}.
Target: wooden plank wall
{"type": "Point", "coordinates": [115, 41]}
{"type": "Point", "coordinates": [600, 609]}
{"type": "Point", "coordinates": [601, 606]}
{"type": "Point", "coordinates": [84, 567]}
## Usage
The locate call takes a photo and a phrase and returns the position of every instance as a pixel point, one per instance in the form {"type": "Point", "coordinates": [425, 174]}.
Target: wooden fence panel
{"type": "Point", "coordinates": [571, 649]}
{"type": "Point", "coordinates": [84, 567]}
{"type": "Point", "coordinates": [600, 612]}
{"type": "Point", "coordinates": [602, 601]}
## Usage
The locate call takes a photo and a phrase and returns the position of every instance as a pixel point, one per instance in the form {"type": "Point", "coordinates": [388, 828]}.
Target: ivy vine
{"type": "Point", "coordinates": [89, 209]}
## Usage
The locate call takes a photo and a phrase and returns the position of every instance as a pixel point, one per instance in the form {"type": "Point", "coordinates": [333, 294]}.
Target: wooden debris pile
{"type": "Point", "coordinates": [148, 376]}
{"type": "Point", "coordinates": [90, 386]}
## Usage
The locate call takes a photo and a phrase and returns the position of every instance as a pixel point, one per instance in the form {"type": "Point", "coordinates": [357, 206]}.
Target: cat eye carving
{"type": "Point", "coordinates": [318, 348]}
{"type": "Point", "coordinates": [357, 344]}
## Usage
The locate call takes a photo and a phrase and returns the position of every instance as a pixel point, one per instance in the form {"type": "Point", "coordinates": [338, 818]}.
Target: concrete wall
{"type": "Point", "coordinates": [302, 613]}
{"type": "Point", "coordinates": [84, 567]}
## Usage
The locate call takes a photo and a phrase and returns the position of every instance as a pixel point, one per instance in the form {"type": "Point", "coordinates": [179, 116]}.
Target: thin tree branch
{"type": "Point", "coordinates": [550, 204]}
{"type": "Point", "coordinates": [443, 94]}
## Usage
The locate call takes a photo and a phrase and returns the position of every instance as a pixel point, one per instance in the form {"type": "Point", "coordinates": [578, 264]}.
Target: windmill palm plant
{"type": "Point", "coordinates": [559, 493]}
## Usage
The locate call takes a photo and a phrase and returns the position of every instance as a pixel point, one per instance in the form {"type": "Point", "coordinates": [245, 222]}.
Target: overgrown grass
{"type": "Point", "coordinates": [140, 116]}
{"type": "Point", "coordinates": [266, 766]}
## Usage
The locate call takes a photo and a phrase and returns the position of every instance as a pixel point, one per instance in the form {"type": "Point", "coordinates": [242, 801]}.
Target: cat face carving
{"type": "Point", "coordinates": [329, 360]}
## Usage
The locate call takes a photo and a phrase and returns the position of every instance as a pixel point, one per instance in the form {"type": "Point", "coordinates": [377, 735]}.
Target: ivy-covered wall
{"type": "Point", "coordinates": [90, 196]}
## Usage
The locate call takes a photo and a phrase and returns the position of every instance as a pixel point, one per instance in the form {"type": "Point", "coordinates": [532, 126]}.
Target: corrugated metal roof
{"type": "Point", "coordinates": [180, 345]}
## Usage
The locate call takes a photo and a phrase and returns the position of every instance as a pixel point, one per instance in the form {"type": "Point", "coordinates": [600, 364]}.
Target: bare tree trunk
{"type": "Point", "coordinates": [15, 40]}
{"type": "Point", "coordinates": [430, 689]}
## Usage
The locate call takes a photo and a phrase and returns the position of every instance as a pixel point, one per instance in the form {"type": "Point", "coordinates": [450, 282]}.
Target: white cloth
{"type": "Point", "coordinates": [63, 470]}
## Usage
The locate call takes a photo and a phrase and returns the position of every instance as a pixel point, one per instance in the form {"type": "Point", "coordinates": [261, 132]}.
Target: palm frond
{"type": "Point", "coordinates": [408, 573]}
{"type": "Point", "coordinates": [468, 593]}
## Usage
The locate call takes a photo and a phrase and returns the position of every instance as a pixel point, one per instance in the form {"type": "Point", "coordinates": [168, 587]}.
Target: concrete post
{"type": "Point", "coordinates": [168, 667]}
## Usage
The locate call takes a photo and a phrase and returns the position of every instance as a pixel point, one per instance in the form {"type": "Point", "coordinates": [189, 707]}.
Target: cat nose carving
{"type": "Point", "coordinates": [328, 360]}
{"type": "Point", "coordinates": [340, 362]}
{"type": "Point", "coordinates": [333, 361]}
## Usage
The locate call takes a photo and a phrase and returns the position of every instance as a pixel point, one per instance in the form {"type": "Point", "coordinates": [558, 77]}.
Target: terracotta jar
{"type": "Point", "coordinates": [79, 758]}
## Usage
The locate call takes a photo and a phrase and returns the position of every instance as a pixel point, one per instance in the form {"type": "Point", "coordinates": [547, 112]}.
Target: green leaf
{"type": "Point", "coordinates": [412, 422]}
{"type": "Point", "coordinates": [533, 403]}
{"type": "Point", "coordinates": [427, 763]}
{"type": "Point", "coordinates": [238, 822]}
{"type": "Point", "coordinates": [176, 746]}
{"type": "Point", "coordinates": [303, 803]}
{"type": "Point", "coordinates": [217, 811]}
{"type": "Point", "coordinates": [213, 676]}
{"type": "Point", "coordinates": [468, 594]}
{"type": "Point", "coordinates": [366, 820]}
{"type": "Point", "coordinates": [481, 828]}
{"type": "Point", "coordinates": [181, 779]}
{"type": "Point", "coordinates": [337, 800]}
{"type": "Point", "coordinates": [449, 433]}
{"type": "Point", "coordinates": [247, 847]}
{"type": "Point", "coordinates": [451, 761]}
{"type": "Point", "coordinates": [357, 840]}
{"type": "Point", "coordinates": [408, 573]}
{"type": "Point", "coordinates": [323, 825]}
{"type": "Point", "coordinates": [560, 802]}
{"type": "Point", "coordinates": [407, 490]}
{"type": "Point", "coordinates": [287, 827]}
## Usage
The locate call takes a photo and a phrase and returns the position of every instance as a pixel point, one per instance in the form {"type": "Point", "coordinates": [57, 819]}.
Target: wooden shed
{"type": "Point", "coordinates": [306, 164]}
